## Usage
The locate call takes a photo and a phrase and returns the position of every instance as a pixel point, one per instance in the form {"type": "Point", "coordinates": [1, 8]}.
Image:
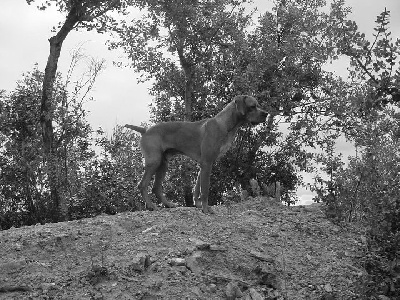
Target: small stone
{"type": "Point", "coordinates": [47, 286]}
{"type": "Point", "coordinates": [364, 239]}
{"type": "Point", "coordinates": [336, 229]}
{"type": "Point", "coordinates": [177, 261]}
{"type": "Point", "coordinates": [328, 288]}
{"type": "Point", "coordinates": [140, 262]}
{"type": "Point", "coordinates": [148, 229]}
{"type": "Point", "coordinates": [212, 288]}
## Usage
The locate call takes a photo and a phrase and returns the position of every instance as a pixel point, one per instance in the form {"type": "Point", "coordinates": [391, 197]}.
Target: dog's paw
{"type": "Point", "coordinates": [207, 210]}
{"type": "Point", "coordinates": [151, 207]}
{"type": "Point", "coordinates": [169, 204]}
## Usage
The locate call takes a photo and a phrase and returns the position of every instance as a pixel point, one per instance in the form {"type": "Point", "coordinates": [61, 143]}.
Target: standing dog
{"type": "Point", "coordinates": [204, 141]}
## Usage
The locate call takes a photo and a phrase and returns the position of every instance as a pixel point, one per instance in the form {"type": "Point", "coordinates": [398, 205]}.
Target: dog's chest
{"type": "Point", "coordinates": [226, 143]}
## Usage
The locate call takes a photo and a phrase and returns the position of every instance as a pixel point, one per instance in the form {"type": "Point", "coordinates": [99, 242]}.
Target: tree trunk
{"type": "Point", "coordinates": [188, 69]}
{"type": "Point", "coordinates": [46, 118]}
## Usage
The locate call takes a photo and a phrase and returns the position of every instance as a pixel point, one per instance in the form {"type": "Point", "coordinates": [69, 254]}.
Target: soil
{"type": "Point", "coordinates": [251, 250]}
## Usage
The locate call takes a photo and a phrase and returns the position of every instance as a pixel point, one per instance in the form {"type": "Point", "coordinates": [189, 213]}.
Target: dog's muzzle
{"type": "Point", "coordinates": [262, 116]}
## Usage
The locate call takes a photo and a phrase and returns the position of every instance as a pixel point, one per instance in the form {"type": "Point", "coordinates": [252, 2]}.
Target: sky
{"type": "Point", "coordinates": [118, 98]}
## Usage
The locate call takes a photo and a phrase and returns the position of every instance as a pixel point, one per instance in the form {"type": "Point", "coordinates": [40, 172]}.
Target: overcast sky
{"type": "Point", "coordinates": [24, 33]}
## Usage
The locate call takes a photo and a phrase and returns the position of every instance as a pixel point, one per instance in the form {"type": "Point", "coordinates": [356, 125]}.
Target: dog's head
{"type": "Point", "coordinates": [249, 109]}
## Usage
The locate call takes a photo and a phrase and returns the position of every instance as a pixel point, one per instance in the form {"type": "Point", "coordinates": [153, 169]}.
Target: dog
{"type": "Point", "coordinates": [204, 141]}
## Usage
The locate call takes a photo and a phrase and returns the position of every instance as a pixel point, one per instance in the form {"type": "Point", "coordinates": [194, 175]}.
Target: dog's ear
{"type": "Point", "coordinates": [240, 103]}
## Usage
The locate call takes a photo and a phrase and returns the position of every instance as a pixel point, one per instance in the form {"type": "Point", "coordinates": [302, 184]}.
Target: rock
{"type": "Point", "coordinates": [233, 291]}
{"type": "Point", "coordinates": [268, 277]}
{"type": "Point", "coordinates": [212, 288]}
{"type": "Point", "coordinates": [192, 262]}
{"type": "Point", "coordinates": [199, 244]}
{"type": "Point", "coordinates": [47, 286]}
{"type": "Point", "coordinates": [383, 297]}
{"type": "Point", "coordinates": [254, 295]}
{"type": "Point", "coordinates": [215, 247]}
{"type": "Point", "coordinates": [270, 280]}
{"type": "Point", "coordinates": [140, 262]}
{"type": "Point", "coordinates": [261, 256]}
{"type": "Point", "coordinates": [149, 229]}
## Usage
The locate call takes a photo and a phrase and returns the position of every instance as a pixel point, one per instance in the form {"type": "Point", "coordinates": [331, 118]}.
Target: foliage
{"type": "Point", "coordinates": [366, 190]}
{"type": "Point", "coordinates": [23, 186]}
{"type": "Point", "coordinates": [111, 177]}
{"type": "Point", "coordinates": [94, 183]}
{"type": "Point", "coordinates": [91, 14]}
{"type": "Point", "coordinates": [374, 64]}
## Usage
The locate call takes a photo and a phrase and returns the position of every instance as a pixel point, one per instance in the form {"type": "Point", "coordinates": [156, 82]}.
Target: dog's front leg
{"type": "Point", "coordinates": [205, 173]}
{"type": "Point", "coordinates": [196, 192]}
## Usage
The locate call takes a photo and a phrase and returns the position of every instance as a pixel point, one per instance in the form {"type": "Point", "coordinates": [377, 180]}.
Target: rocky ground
{"type": "Point", "coordinates": [255, 250]}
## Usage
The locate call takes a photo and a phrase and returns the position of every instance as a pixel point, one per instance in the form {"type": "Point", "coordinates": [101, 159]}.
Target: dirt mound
{"type": "Point", "coordinates": [259, 250]}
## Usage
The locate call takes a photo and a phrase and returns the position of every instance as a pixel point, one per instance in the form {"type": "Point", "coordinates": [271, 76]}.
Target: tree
{"type": "Point", "coordinates": [176, 43]}
{"type": "Point", "coordinates": [91, 14]}
{"type": "Point", "coordinates": [280, 62]}
{"type": "Point", "coordinates": [192, 32]}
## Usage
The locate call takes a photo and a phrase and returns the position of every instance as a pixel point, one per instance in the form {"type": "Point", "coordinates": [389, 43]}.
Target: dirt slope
{"type": "Point", "coordinates": [260, 250]}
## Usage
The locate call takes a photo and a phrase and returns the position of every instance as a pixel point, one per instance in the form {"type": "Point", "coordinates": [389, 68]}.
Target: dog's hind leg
{"type": "Point", "coordinates": [150, 169]}
{"type": "Point", "coordinates": [159, 178]}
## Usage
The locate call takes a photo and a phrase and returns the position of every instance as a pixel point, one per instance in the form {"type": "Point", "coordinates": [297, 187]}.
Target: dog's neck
{"type": "Point", "coordinates": [229, 119]}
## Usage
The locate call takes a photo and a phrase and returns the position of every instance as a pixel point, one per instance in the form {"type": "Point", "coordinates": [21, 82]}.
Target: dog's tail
{"type": "Point", "coordinates": [139, 129]}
